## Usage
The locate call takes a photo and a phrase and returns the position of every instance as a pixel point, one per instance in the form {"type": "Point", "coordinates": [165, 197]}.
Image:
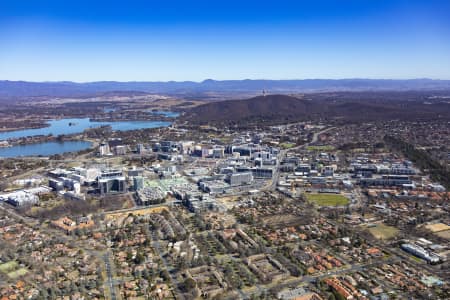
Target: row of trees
{"type": "Point", "coordinates": [422, 159]}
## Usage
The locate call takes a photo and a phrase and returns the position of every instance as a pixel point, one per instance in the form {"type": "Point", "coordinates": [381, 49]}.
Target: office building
{"type": "Point", "coordinates": [236, 179]}
{"type": "Point", "coordinates": [421, 253]}
{"type": "Point", "coordinates": [104, 149]}
{"type": "Point", "coordinates": [386, 180]}
{"type": "Point", "coordinates": [138, 183]}
{"type": "Point", "coordinates": [21, 198]}
{"type": "Point", "coordinates": [112, 185]}
{"type": "Point", "coordinates": [112, 181]}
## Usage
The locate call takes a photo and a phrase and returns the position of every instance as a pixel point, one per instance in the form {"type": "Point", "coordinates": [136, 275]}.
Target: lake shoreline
{"type": "Point", "coordinates": [45, 149]}
{"type": "Point", "coordinates": [44, 125]}
{"type": "Point", "coordinates": [63, 133]}
{"type": "Point", "coordinates": [158, 118]}
{"type": "Point", "coordinates": [69, 126]}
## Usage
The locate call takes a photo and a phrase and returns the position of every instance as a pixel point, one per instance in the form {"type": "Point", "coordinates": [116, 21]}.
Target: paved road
{"type": "Point", "coordinates": [112, 288]}
{"type": "Point", "coordinates": [313, 278]}
{"type": "Point", "coordinates": [283, 153]}
{"type": "Point", "coordinates": [159, 251]}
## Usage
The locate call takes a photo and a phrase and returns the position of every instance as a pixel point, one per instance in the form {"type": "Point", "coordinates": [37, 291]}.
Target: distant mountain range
{"type": "Point", "coordinates": [72, 89]}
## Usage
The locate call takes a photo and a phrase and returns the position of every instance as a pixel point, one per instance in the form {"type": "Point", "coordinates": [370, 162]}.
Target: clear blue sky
{"type": "Point", "coordinates": [194, 40]}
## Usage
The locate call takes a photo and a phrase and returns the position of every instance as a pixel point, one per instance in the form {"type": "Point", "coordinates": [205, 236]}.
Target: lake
{"type": "Point", "coordinates": [169, 114]}
{"type": "Point", "coordinates": [44, 149]}
{"type": "Point", "coordinates": [67, 126]}
{"type": "Point", "coordinates": [78, 125]}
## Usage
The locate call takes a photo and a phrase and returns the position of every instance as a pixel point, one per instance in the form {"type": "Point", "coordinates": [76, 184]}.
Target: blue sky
{"type": "Point", "coordinates": [194, 40]}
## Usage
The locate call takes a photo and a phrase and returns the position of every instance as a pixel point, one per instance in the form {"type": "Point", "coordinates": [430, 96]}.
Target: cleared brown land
{"type": "Point", "coordinates": [283, 220]}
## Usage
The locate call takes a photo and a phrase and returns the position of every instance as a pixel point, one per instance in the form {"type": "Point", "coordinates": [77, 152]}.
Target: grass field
{"type": "Point", "coordinates": [444, 234]}
{"type": "Point", "coordinates": [320, 148]}
{"type": "Point", "coordinates": [136, 212]}
{"type": "Point", "coordinates": [9, 266]}
{"type": "Point", "coordinates": [17, 273]}
{"type": "Point", "coordinates": [327, 199]}
{"type": "Point", "coordinates": [287, 145]}
{"type": "Point", "coordinates": [383, 232]}
{"type": "Point", "coordinates": [437, 227]}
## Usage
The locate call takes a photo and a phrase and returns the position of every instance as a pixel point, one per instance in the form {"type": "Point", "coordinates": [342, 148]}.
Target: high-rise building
{"type": "Point", "coordinates": [112, 181]}
{"type": "Point", "coordinates": [138, 183]}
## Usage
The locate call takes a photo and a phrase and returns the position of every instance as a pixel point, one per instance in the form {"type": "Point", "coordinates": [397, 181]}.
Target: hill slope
{"type": "Point", "coordinates": [278, 109]}
{"type": "Point", "coordinates": [262, 108]}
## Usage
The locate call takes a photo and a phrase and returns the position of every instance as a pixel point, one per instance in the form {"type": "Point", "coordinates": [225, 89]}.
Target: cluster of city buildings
{"type": "Point", "coordinates": [220, 215]}
{"type": "Point", "coordinates": [24, 197]}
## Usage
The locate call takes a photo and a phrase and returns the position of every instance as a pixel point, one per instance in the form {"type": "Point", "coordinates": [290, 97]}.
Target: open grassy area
{"type": "Point", "coordinates": [444, 234]}
{"type": "Point", "coordinates": [18, 273]}
{"type": "Point", "coordinates": [383, 232]}
{"type": "Point", "coordinates": [327, 199]}
{"type": "Point", "coordinates": [437, 227]}
{"type": "Point", "coordinates": [320, 148]}
{"type": "Point", "coordinates": [9, 266]}
{"type": "Point", "coordinates": [287, 145]}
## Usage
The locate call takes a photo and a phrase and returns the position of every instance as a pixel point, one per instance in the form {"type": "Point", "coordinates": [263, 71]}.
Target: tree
{"type": "Point", "coordinates": [43, 294]}
{"type": "Point", "coordinates": [52, 293]}
{"type": "Point", "coordinates": [129, 255]}
{"type": "Point", "coordinates": [140, 258]}
{"type": "Point", "coordinates": [165, 275]}
{"type": "Point", "coordinates": [339, 296]}
{"type": "Point", "coordinates": [189, 284]}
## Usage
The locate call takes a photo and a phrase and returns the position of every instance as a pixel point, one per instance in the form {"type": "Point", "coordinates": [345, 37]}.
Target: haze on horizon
{"type": "Point", "coordinates": [180, 40]}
